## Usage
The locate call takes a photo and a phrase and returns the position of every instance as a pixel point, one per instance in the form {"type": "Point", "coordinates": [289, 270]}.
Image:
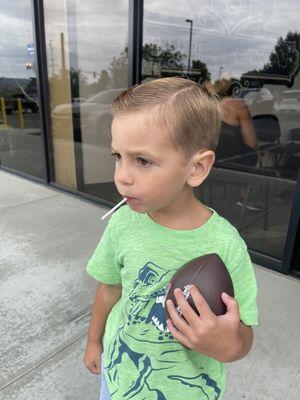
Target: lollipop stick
{"type": "Point", "coordinates": [114, 208]}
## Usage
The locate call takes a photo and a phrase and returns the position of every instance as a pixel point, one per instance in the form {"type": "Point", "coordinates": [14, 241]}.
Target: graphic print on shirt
{"type": "Point", "coordinates": [134, 371]}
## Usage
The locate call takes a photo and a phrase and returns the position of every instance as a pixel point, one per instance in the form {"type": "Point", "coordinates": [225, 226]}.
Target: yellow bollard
{"type": "Point", "coordinates": [20, 113]}
{"type": "Point", "coordinates": [3, 112]}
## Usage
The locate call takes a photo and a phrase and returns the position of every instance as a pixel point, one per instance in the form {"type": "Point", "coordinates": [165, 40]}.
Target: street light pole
{"type": "Point", "coordinates": [220, 72]}
{"type": "Point", "coordinates": [190, 45]}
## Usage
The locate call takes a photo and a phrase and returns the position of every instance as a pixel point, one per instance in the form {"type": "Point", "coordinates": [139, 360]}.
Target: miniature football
{"type": "Point", "coordinates": [211, 277]}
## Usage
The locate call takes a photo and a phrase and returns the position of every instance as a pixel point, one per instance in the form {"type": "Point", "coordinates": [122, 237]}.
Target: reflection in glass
{"type": "Point", "coordinates": [88, 67]}
{"type": "Point", "coordinates": [21, 146]}
{"type": "Point", "coordinates": [251, 57]}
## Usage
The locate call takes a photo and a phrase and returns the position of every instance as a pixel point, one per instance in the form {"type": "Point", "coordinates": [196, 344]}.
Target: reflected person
{"type": "Point", "coordinates": [238, 140]}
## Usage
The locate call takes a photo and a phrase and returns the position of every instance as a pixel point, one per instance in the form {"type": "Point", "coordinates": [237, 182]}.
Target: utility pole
{"type": "Point", "coordinates": [63, 57]}
{"type": "Point", "coordinates": [220, 72]}
{"type": "Point", "coordinates": [190, 44]}
{"type": "Point", "coordinates": [52, 56]}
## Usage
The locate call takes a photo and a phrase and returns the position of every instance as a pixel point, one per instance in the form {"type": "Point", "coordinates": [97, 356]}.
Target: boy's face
{"type": "Point", "coordinates": [148, 171]}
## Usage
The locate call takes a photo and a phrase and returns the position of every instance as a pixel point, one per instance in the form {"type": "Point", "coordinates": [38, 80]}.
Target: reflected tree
{"type": "Point", "coordinates": [169, 62]}
{"type": "Point", "coordinates": [118, 70]}
{"type": "Point", "coordinates": [284, 61]}
{"type": "Point", "coordinates": [105, 80]}
{"type": "Point", "coordinates": [202, 72]}
{"type": "Point", "coordinates": [168, 57]}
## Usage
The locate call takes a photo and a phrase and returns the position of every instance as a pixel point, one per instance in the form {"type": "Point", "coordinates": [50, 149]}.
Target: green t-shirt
{"type": "Point", "coordinates": [142, 359]}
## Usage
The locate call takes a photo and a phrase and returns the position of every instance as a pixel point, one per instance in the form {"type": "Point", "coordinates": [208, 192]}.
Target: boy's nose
{"type": "Point", "coordinates": [123, 175]}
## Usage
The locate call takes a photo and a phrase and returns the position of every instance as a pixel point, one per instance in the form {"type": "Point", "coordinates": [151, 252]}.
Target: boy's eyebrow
{"type": "Point", "coordinates": [136, 153]}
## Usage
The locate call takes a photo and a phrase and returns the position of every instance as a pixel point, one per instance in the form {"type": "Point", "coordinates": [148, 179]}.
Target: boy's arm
{"type": "Point", "coordinates": [244, 345]}
{"type": "Point", "coordinates": [106, 297]}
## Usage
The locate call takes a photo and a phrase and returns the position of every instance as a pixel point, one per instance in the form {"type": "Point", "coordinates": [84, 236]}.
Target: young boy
{"type": "Point", "coordinates": [164, 133]}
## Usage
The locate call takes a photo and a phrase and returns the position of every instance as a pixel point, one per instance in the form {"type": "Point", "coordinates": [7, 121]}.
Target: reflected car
{"type": "Point", "coordinates": [78, 100]}
{"type": "Point", "coordinates": [256, 96]}
{"type": "Point", "coordinates": [28, 102]}
{"type": "Point", "coordinates": [288, 107]}
{"type": "Point", "coordinates": [92, 117]}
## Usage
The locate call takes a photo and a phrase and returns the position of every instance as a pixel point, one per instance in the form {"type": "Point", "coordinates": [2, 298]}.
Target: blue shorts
{"type": "Point", "coordinates": [104, 395]}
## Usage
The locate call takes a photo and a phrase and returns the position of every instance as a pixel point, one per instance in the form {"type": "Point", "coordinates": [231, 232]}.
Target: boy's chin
{"type": "Point", "coordinates": [137, 208]}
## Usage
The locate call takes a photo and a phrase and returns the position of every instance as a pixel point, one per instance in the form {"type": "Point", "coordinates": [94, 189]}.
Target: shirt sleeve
{"type": "Point", "coordinates": [103, 265]}
{"type": "Point", "coordinates": [245, 286]}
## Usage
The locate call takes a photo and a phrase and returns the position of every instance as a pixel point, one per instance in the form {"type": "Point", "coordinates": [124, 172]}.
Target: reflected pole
{"type": "Point", "coordinates": [190, 21]}
{"type": "Point", "coordinates": [52, 56]}
{"type": "Point", "coordinates": [63, 59]}
{"type": "Point", "coordinates": [3, 112]}
{"type": "Point", "coordinates": [220, 72]}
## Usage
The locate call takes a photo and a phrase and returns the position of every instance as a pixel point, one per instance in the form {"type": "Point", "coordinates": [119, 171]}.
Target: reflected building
{"type": "Point", "coordinates": [63, 63]}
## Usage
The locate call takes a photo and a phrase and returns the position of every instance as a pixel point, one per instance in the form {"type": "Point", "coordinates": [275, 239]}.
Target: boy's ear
{"type": "Point", "coordinates": [201, 164]}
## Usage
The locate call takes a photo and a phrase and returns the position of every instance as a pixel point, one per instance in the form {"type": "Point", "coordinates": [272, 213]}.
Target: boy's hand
{"type": "Point", "coordinates": [92, 357]}
{"type": "Point", "coordinates": [220, 337]}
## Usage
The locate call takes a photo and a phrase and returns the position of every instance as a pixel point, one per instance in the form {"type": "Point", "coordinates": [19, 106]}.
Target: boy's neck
{"type": "Point", "coordinates": [188, 214]}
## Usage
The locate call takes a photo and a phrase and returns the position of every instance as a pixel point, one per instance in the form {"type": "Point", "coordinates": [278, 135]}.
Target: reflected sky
{"type": "Point", "coordinates": [15, 33]}
{"type": "Point", "coordinates": [98, 31]}
{"type": "Point", "coordinates": [236, 35]}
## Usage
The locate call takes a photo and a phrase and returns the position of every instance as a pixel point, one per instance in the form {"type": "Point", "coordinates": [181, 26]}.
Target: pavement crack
{"type": "Point", "coordinates": [28, 202]}
{"type": "Point", "coordinates": [44, 361]}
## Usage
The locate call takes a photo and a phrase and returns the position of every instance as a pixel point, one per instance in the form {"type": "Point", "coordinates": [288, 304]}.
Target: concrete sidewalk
{"type": "Point", "coordinates": [47, 237]}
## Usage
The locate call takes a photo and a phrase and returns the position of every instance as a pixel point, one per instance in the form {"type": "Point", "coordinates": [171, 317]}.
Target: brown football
{"type": "Point", "coordinates": [211, 277]}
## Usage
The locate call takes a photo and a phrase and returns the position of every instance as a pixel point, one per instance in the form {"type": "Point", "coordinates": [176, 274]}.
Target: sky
{"type": "Point", "coordinates": [229, 36]}
{"type": "Point", "coordinates": [235, 35]}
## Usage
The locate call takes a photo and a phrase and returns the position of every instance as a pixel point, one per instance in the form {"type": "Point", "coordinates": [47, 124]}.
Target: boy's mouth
{"type": "Point", "coordinates": [131, 200]}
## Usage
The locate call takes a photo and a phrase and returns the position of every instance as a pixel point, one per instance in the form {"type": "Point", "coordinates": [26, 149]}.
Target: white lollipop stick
{"type": "Point", "coordinates": [114, 208]}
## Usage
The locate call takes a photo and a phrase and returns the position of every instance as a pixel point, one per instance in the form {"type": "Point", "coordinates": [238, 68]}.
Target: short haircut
{"type": "Point", "coordinates": [190, 112]}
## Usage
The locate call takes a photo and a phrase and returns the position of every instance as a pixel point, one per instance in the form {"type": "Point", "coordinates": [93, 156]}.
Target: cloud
{"type": "Point", "coordinates": [235, 35]}
{"type": "Point", "coordinates": [94, 32]}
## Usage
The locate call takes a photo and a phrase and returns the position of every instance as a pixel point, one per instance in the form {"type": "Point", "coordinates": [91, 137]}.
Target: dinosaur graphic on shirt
{"type": "Point", "coordinates": [143, 357]}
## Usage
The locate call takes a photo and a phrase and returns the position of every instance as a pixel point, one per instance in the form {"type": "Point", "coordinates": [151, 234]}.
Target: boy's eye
{"type": "Point", "coordinates": [143, 162]}
{"type": "Point", "coordinates": [116, 156]}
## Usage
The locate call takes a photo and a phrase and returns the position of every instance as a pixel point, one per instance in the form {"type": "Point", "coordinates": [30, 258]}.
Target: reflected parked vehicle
{"type": "Point", "coordinates": [27, 102]}
{"type": "Point", "coordinates": [256, 96]}
{"type": "Point", "coordinates": [92, 117]}
{"type": "Point", "coordinates": [78, 100]}
{"type": "Point", "coordinates": [259, 100]}
{"type": "Point", "coordinates": [289, 104]}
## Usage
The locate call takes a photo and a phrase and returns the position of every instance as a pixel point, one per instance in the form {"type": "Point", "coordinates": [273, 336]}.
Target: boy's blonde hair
{"type": "Point", "coordinates": [191, 113]}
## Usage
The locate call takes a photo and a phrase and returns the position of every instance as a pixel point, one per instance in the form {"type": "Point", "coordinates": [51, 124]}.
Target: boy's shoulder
{"type": "Point", "coordinates": [224, 235]}
{"type": "Point", "coordinates": [221, 226]}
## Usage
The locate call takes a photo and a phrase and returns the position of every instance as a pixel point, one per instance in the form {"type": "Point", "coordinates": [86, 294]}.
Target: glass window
{"type": "Point", "coordinates": [21, 145]}
{"type": "Point", "coordinates": [88, 67]}
{"type": "Point", "coordinates": [249, 54]}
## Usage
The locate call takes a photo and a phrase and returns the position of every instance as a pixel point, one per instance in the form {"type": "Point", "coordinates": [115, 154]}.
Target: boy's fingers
{"type": "Point", "coordinates": [200, 303]}
{"type": "Point", "coordinates": [177, 319]}
{"type": "Point", "coordinates": [97, 364]}
{"type": "Point", "coordinates": [178, 335]}
{"type": "Point", "coordinates": [95, 369]}
{"type": "Point", "coordinates": [231, 304]}
{"type": "Point", "coordinates": [93, 366]}
{"type": "Point", "coordinates": [186, 310]}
